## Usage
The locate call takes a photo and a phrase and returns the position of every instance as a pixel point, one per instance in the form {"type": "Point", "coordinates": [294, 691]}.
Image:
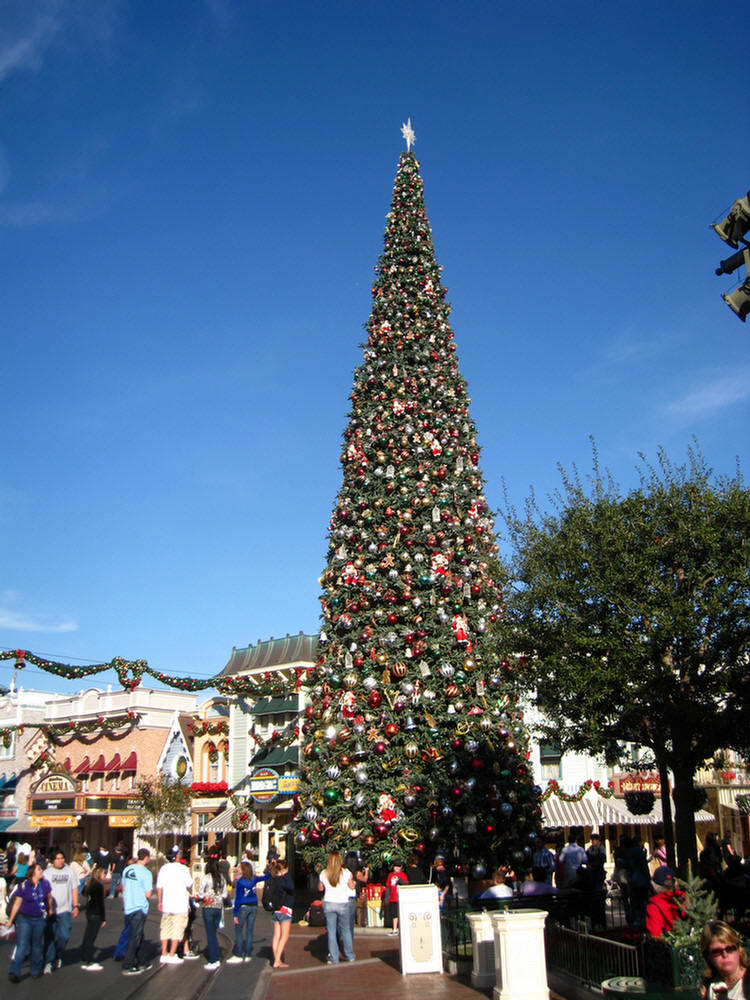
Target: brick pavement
{"type": "Point", "coordinates": [375, 974]}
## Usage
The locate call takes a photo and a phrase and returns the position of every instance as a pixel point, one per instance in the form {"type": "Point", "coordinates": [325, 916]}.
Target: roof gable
{"type": "Point", "coordinates": [272, 653]}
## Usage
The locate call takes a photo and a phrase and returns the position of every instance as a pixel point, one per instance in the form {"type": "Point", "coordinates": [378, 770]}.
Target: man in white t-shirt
{"type": "Point", "coordinates": [572, 856]}
{"type": "Point", "coordinates": [174, 885]}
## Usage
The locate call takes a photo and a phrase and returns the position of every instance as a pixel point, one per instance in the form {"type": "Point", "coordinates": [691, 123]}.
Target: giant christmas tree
{"type": "Point", "coordinates": [413, 740]}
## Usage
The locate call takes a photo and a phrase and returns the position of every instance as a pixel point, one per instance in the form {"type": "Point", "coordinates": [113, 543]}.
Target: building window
{"type": "Point", "coordinates": [10, 751]}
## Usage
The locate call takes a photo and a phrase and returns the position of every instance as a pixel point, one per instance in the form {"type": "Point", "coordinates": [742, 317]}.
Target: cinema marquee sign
{"type": "Point", "coordinates": [58, 792]}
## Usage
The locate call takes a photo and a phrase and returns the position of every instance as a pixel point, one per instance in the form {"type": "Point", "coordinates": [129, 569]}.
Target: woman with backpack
{"type": "Point", "coordinates": [278, 897]}
{"type": "Point", "coordinates": [211, 894]}
{"type": "Point", "coordinates": [95, 919]}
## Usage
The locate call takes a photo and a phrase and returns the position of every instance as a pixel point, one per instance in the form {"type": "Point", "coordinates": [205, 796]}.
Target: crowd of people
{"type": "Point", "coordinates": [40, 896]}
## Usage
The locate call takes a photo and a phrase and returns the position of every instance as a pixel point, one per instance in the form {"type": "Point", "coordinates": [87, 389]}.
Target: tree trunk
{"type": "Point", "coordinates": [666, 809]}
{"type": "Point", "coordinates": [684, 820]}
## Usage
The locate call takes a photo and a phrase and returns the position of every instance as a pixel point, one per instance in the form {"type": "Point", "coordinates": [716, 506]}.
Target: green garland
{"type": "Point", "coordinates": [131, 672]}
{"type": "Point", "coordinates": [202, 727]}
{"type": "Point", "coordinates": [554, 789]}
{"type": "Point", "coordinates": [55, 733]}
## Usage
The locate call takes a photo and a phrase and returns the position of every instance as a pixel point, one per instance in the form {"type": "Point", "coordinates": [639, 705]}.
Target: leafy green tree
{"type": "Point", "coordinates": [163, 805]}
{"type": "Point", "coordinates": [414, 739]}
{"type": "Point", "coordinates": [633, 614]}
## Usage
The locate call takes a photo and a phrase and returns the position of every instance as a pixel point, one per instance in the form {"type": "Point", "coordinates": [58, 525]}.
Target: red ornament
{"type": "Point", "coordinates": [390, 730]}
{"type": "Point", "coordinates": [374, 699]}
{"type": "Point", "coordinates": [379, 748]}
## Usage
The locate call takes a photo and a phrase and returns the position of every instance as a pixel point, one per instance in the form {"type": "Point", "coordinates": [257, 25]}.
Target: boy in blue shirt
{"type": "Point", "coordinates": [137, 887]}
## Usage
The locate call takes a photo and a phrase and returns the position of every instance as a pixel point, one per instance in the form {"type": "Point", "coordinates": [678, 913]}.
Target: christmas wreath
{"type": "Point", "coordinates": [241, 819]}
{"type": "Point", "coordinates": [640, 803]}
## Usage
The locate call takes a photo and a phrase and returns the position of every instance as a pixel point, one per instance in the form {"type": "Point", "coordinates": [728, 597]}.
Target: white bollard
{"type": "Point", "coordinates": [482, 950]}
{"type": "Point", "coordinates": [520, 960]}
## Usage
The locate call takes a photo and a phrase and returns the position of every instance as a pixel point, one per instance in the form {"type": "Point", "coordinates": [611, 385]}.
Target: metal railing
{"type": "Point", "coordinates": [456, 933]}
{"type": "Point", "coordinates": [589, 958]}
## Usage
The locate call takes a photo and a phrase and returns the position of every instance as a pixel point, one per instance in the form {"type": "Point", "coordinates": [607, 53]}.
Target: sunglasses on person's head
{"type": "Point", "coordinates": [729, 949]}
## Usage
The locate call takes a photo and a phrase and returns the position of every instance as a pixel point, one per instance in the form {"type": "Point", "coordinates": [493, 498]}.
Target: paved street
{"type": "Point", "coordinates": [183, 982]}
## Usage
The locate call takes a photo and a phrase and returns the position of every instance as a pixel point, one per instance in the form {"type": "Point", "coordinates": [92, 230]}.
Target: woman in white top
{"type": "Point", "coordinates": [726, 963]}
{"type": "Point", "coordinates": [336, 884]}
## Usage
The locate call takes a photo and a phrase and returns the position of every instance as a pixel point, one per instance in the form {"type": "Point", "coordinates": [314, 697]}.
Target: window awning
{"type": "Point", "coordinates": [114, 764]}
{"type": "Point", "coordinates": [223, 823]}
{"type": "Point", "coordinates": [273, 706]}
{"type": "Point", "coordinates": [131, 764]}
{"type": "Point", "coordinates": [98, 765]}
{"type": "Point", "coordinates": [8, 785]}
{"type": "Point", "coordinates": [276, 757]}
{"type": "Point", "coordinates": [83, 767]}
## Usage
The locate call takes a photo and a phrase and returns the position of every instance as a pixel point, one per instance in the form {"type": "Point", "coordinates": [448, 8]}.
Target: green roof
{"type": "Point", "coordinates": [291, 650]}
{"type": "Point", "coordinates": [276, 757]}
{"type": "Point", "coordinates": [272, 706]}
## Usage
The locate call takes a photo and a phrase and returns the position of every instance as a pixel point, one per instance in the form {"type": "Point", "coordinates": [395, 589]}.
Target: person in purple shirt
{"type": "Point", "coordinates": [32, 903]}
{"type": "Point", "coordinates": [538, 885]}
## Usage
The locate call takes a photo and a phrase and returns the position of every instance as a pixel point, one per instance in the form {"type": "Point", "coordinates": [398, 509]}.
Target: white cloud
{"type": "Point", "coordinates": [24, 44]}
{"type": "Point", "coordinates": [18, 620]}
{"type": "Point", "coordinates": [713, 395]}
{"type": "Point", "coordinates": [30, 28]}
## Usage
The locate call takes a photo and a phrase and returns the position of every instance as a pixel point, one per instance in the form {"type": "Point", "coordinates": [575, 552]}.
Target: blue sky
{"type": "Point", "coordinates": [192, 200]}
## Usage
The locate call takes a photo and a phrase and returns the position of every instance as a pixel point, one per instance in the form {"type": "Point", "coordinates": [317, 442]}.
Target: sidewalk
{"type": "Point", "coordinates": [375, 974]}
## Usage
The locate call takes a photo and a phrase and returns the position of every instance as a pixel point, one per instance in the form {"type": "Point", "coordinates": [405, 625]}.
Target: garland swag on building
{"type": "Point", "coordinates": [413, 739]}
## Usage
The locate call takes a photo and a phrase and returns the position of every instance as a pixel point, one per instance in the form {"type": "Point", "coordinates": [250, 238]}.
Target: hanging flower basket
{"type": "Point", "coordinates": [640, 803]}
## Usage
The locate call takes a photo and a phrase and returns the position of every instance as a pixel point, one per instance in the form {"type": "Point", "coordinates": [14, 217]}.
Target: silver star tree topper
{"type": "Point", "coordinates": [408, 133]}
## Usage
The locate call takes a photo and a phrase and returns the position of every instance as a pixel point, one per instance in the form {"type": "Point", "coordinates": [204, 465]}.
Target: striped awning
{"type": "Point", "coordinates": [615, 811]}
{"type": "Point", "coordinates": [223, 823]}
{"type": "Point", "coordinates": [595, 810]}
{"type": "Point", "coordinates": [558, 812]}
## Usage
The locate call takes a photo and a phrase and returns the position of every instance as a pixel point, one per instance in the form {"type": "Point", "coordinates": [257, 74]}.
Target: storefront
{"type": "Point", "coordinates": [71, 816]}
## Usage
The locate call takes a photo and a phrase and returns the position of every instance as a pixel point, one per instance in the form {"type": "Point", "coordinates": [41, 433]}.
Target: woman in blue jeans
{"type": "Point", "coordinates": [336, 883]}
{"type": "Point", "coordinates": [245, 910]}
{"type": "Point", "coordinates": [211, 892]}
{"type": "Point", "coordinates": [32, 903]}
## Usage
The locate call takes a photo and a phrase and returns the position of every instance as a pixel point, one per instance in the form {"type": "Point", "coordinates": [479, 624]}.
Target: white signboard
{"type": "Point", "coordinates": [419, 929]}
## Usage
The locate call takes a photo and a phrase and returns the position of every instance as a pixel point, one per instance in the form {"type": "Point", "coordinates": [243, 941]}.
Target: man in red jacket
{"type": "Point", "coordinates": [665, 905]}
